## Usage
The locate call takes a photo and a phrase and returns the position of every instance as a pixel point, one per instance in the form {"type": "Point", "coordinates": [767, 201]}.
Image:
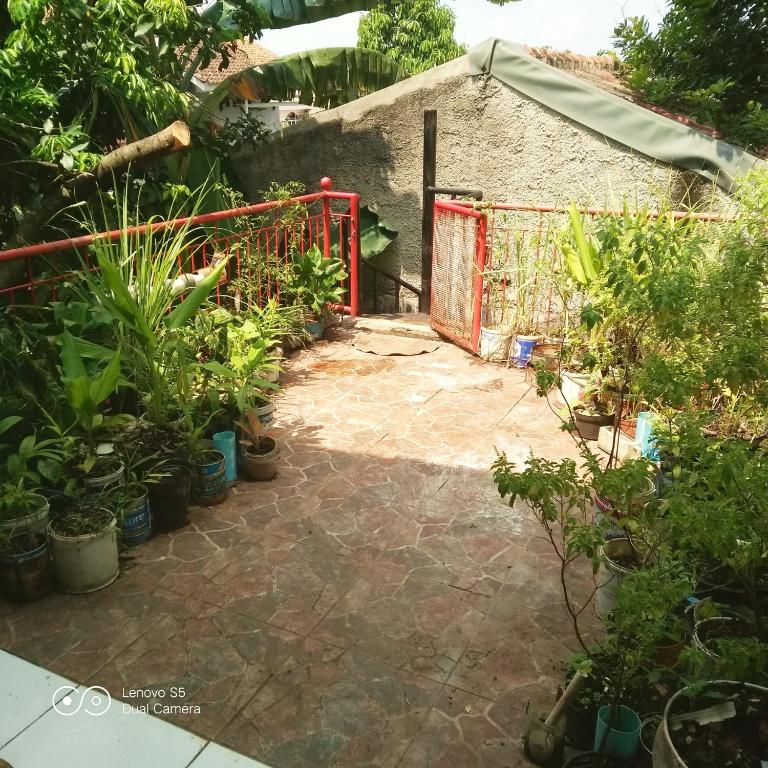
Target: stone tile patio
{"type": "Point", "coordinates": [376, 605]}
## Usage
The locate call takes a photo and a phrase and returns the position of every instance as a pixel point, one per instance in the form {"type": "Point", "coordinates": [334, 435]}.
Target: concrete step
{"type": "Point", "coordinates": [407, 324]}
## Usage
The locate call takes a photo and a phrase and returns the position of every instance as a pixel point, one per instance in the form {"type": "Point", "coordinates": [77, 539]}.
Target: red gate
{"type": "Point", "coordinates": [458, 260]}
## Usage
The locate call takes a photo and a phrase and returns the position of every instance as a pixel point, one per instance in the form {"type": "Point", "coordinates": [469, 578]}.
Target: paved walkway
{"type": "Point", "coordinates": [376, 605]}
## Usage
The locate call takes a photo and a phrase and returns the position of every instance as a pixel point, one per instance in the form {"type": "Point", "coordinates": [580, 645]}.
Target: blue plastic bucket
{"type": "Point", "coordinates": [523, 350]}
{"type": "Point", "coordinates": [225, 442]}
{"type": "Point", "coordinates": [624, 737]}
{"type": "Point", "coordinates": [210, 485]}
{"type": "Point", "coordinates": [137, 521]}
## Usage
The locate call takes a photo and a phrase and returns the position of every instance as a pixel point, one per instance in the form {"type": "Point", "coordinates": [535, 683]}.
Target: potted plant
{"type": "Point", "coordinates": [495, 333]}
{"type": "Point", "coordinates": [315, 283]}
{"type": "Point", "coordinates": [83, 542]}
{"type": "Point", "coordinates": [26, 572]}
{"type": "Point", "coordinates": [169, 495]}
{"type": "Point", "coordinates": [717, 723]}
{"type": "Point", "coordinates": [260, 452]}
{"type": "Point", "coordinates": [131, 501]}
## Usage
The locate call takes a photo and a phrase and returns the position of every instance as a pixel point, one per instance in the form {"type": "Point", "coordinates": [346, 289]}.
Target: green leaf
{"type": "Point", "coordinates": [71, 362]}
{"type": "Point", "coordinates": [8, 422]}
{"type": "Point", "coordinates": [106, 382]}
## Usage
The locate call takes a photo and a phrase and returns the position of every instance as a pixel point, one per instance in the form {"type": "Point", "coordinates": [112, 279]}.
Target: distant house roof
{"type": "Point", "coordinates": [243, 54]}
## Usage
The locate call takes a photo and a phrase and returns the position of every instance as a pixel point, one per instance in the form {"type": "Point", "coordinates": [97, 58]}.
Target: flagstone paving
{"type": "Point", "coordinates": [375, 605]}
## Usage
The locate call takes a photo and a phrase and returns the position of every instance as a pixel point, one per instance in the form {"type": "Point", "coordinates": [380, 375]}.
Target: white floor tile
{"type": "Point", "coordinates": [26, 692]}
{"type": "Point", "coordinates": [115, 739]}
{"type": "Point", "coordinates": [215, 756]}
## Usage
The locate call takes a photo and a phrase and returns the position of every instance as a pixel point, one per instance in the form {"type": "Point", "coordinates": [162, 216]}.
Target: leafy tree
{"type": "Point", "coordinates": [80, 77]}
{"type": "Point", "coordinates": [707, 60]}
{"type": "Point", "coordinates": [417, 35]}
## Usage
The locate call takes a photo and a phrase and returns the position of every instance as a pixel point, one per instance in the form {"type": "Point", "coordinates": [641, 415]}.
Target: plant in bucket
{"type": "Point", "coordinates": [260, 452]}
{"type": "Point", "coordinates": [83, 540]}
{"type": "Point", "coordinates": [494, 330]}
{"type": "Point", "coordinates": [26, 572]}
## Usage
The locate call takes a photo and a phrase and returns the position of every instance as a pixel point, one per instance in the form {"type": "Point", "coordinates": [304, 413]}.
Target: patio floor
{"type": "Point", "coordinates": [374, 605]}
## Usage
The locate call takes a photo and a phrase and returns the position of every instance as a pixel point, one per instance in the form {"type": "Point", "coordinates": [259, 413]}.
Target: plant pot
{"type": "Point", "coordinates": [596, 760]}
{"type": "Point", "coordinates": [548, 360]}
{"type": "Point", "coordinates": [647, 736]}
{"type": "Point", "coordinates": [494, 345]}
{"type": "Point", "coordinates": [629, 427]}
{"type": "Point", "coordinates": [26, 570]}
{"type": "Point", "coordinates": [614, 558]}
{"type": "Point", "coordinates": [573, 386]}
{"type": "Point", "coordinates": [262, 465]}
{"type": "Point", "coordinates": [580, 726]}
{"type": "Point", "coordinates": [209, 485]}
{"type": "Point", "coordinates": [523, 349]}
{"type": "Point", "coordinates": [169, 498]}
{"type": "Point", "coordinates": [266, 415]}
{"type": "Point", "coordinates": [665, 752]}
{"type": "Point", "coordinates": [667, 652]}
{"type": "Point", "coordinates": [706, 631]}
{"type": "Point", "coordinates": [315, 326]}
{"type": "Point", "coordinates": [85, 563]}
{"type": "Point", "coordinates": [35, 521]}
{"type": "Point", "coordinates": [606, 506]}
{"type": "Point", "coordinates": [99, 480]}
{"type": "Point", "coordinates": [135, 518]}
{"type": "Point", "coordinates": [623, 737]}
{"type": "Point", "coordinates": [225, 443]}
{"type": "Point", "coordinates": [588, 426]}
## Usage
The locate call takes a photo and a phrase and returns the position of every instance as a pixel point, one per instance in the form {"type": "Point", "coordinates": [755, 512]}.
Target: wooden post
{"type": "Point", "coordinates": [428, 207]}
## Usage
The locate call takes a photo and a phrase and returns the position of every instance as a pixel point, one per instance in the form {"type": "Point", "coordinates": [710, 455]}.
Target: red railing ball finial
{"type": "Point", "coordinates": [326, 183]}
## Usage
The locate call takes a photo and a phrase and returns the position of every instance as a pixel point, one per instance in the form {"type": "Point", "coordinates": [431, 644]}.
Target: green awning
{"type": "Point", "coordinates": [634, 126]}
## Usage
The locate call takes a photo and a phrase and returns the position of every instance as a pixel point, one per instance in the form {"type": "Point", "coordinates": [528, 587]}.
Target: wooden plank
{"type": "Point", "coordinates": [429, 176]}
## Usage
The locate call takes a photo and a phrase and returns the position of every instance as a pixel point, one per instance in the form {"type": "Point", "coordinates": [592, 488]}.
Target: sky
{"type": "Point", "coordinates": [581, 26]}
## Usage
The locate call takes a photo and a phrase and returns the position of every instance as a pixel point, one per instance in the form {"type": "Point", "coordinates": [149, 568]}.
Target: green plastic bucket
{"type": "Point", "coordinates": [624, 737]}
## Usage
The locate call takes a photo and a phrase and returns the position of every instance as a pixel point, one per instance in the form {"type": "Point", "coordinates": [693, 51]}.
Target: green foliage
{"type": "Point", "coordinates": [315, 281]}
{"type": "Point", "coordinates": [86, 393]}
{"type": "Point", "coordinates": [418, 35]}
{"type": "Point", "coordinates": [325, 77]}
{"type": "Point", "coordinates": [707, 59]}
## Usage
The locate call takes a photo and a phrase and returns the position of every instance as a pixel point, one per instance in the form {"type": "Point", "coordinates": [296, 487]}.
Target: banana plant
{"type": "Point", "coordinates": [581, 252]}
{"type": "Point", "coordinates": [85, 393]}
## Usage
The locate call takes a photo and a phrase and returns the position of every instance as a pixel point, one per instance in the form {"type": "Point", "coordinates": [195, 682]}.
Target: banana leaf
{"type": "Point", "coordinates": [325, 77]}
{"type": "Point", "coordinates": [375, 234]}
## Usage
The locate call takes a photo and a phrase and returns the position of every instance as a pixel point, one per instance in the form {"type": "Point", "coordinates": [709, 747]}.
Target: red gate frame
{"type": "Point", "coordinates": [480, 257]}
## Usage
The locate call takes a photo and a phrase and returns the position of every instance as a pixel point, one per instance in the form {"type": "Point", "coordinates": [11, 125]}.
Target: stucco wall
{"type": "Point", "coordinates": [489, 137]}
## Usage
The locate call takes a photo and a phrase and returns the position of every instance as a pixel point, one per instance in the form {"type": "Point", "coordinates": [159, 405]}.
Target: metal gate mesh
{"type": "Point", "coordinates": [453, 275]}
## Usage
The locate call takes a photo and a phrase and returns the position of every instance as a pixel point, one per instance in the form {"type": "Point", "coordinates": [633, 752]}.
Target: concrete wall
{"type": "Point", "coordinates": [489, 137]}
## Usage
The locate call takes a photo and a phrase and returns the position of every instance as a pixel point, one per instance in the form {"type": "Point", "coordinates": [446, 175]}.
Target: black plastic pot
{"type": "Point", "coordinates": [169, 498]}
{"type": "Point", "coordinates": [580, 728]}
{"type": "Point", "coordinates": [26, 570]}
{"type": "Point", "coordinates": [597, 760]}
{"type": "Point", "coordinates": [589, 426]}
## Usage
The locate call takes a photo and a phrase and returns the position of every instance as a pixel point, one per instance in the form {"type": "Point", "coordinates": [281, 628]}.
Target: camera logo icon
{"type": "Point", "coordinates": [94, 700]}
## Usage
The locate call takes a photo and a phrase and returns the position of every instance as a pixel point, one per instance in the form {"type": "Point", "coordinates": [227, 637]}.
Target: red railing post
{"type": "Point", "coordinates": [480, 257]}
{"type": "Point", "coordinates": [326, 184]}
{"type": "Point", "coordinates": [354, 255]}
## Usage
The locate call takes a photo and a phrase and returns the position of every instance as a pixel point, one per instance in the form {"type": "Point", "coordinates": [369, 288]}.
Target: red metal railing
{"type": "Point", "coordinates": [259, 246]}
